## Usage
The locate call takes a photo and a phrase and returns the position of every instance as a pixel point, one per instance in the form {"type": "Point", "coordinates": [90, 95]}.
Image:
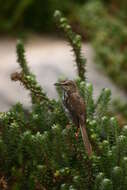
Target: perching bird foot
{"type": "Point", "coordinates": [77, 133]}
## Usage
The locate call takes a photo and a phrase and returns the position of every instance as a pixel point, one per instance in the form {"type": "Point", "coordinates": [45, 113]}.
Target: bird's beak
{"type": "Point", "coordinates": [57, 84]}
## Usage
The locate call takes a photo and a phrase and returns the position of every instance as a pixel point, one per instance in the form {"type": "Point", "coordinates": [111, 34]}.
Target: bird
{"type": "Point", "coordinates": [76, 108]}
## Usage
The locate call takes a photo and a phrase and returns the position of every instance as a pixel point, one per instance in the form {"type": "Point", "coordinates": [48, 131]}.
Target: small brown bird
{"type": "Point", "coordinates": [76, 108]}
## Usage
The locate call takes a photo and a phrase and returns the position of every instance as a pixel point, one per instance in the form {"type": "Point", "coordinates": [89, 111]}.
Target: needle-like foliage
{"type": "Point", "coordinates": [75, 42]}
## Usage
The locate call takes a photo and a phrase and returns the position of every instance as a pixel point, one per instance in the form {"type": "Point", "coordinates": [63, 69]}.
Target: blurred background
{"type": "Point", "coordinates": [103, 26]}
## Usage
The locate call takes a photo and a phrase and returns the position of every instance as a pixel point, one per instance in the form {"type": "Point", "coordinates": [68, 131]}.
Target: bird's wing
{"type": "Point", "coordinates": [77, 103]}
{"type": "Point", "coordinates": [77, 107]}
{"type": "Point", "coordinates": [70, 110]}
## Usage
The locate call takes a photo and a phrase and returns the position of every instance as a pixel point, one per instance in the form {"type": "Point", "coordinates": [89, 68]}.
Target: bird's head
{"type": "Point", "coordinates": [67, 85]}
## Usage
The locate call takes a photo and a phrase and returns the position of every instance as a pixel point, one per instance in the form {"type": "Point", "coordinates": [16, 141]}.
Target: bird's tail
{"type": "Point", "coordinates": [86, 141]}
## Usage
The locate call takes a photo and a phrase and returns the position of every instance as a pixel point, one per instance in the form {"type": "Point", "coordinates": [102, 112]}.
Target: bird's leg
{"type": "Point", "coordinates": [68, 126]}
{"type": "Point", "coordinates": [77, 133]}
{"type": "Point", "coordinates": [78, 128]}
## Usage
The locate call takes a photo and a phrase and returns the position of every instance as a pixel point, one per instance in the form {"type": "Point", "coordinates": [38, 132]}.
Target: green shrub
{"type": "Point", "coordinates": [109, 37]}
{"type": "Point", "coordinates": [38, 149]}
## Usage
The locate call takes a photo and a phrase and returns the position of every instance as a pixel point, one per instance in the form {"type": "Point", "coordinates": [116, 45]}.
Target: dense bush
{"type": "Point", "coordinates": [109, 36]}
{"type": "Point", "coordinates": [38, 148]}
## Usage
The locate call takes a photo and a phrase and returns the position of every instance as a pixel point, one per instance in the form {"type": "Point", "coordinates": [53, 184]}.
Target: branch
{"type": "Point", "coordinates": [21, 57]}
{"type": "Point", "coordinates": [30, 83]}
{"type": "Point", "coordinates": [74, 40]}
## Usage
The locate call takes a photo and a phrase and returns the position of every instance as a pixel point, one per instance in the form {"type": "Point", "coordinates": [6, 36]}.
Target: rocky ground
{"type": "Point", "coordinates": [49, 58]}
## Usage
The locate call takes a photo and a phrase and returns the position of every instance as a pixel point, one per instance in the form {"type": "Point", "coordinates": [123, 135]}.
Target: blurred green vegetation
{"type": "Point", "coordinates": [32, 14]}
{"type": "Point", "coordinates": [108, 33]}
{"type": "Point", "coordinates": [37, 14]}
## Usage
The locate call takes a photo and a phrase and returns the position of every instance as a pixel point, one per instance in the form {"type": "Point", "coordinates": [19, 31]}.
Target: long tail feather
{"type": "Point", "coordinates": [86, 141]}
